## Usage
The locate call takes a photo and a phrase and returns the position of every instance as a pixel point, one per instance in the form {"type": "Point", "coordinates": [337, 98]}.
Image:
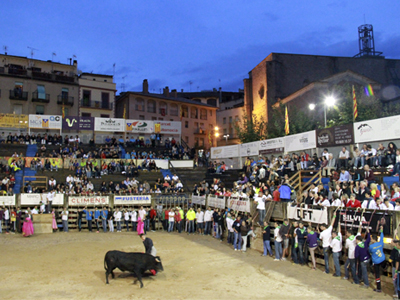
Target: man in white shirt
{"type": "Point", "coordinates": [167, 178]}
{"type": "Point", "coordinates": [278, 242]}
{"type": "Point", "coordinates": [351, 243]}
{"type": "Point", "coordinates": [35, 211]}
{"type": "Point", "coordinates": [142, 213]}
{"type": "Point", "coordinates": [90, 186]}
{"type": "Point", "coordinates": [336, 245]}
{"type": "Point", "coordinates": [6, 218]}
{"type": "Point", "coordinates": [344, 158]}
{"type": "Point", "coordinates": [171, 220]}
{"type": "Point", "coordinates": [64, 218]}
{"type": "Point", "coordinates": [117, 217]}
{"type": "Point", "coordinates": [229, 223]}
{"type": "Point", "coordinates": [369, 202]}
{"type": "Point", "coordinates": [50, 197]}
{"type": "Point", "coordinates": [69, 179]}
{"type": "Point", "coordinates": [260, 200]}
{"type": "Point", "coordinates": [326, 237]}
{"type": "Point", "coordinates": [200, 221]}
{"type": "Point", "coordinates": [326, 154]}
{"type": "Point", "coordinates": [52, 184]}
{"type": "Point", "coordinates": [208, 221]}
{"type": "Point", "coordinates": [175, 177]}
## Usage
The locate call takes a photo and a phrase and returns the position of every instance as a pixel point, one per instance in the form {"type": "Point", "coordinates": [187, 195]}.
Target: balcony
{"type": "Point", "coordinates": [18, 95]}
{"type": "Point", "coordinates": [41, 75]}
{"type": "Point", "coordinates": [64, 78]}
{"type": "Point", "coordinates": [95, 104]}
{"type": "Point", "coordinates": [199, 131]}
{"type": "Point", "coordinates": [45, 99]}
{"type": "Point", "coordinates": [19, 72]}
{"type": "Point", "coordinates": [65, 100]}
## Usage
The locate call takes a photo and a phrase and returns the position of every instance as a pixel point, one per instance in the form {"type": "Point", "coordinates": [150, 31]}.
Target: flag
{"type": "Point", "coordinates": [286, 122]}
{"type": "Point", "coordinates": [63, 110]}
{"type": "Point", "coordinates": [355, 112]}
{"type": "Point", "coordinates": [180, 111]}
{"type": "Point", "coordinates": [124, 116]}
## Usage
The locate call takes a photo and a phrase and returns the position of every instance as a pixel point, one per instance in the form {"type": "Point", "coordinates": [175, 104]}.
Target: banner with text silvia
{"type": "Point", "coordinates": [7, 200]}
{"type": "Point", "coordinates": [45, 122]}
{"type": "Point", "coordinates": [271, 146]}
{"type": "Point", "coordinates": [78, 123]}
{"type": "Point", "coordinates": [139, 126]}
{"type": "Point", "coordinates": [239, 204]}
{"type": "Point", "coordinates": [35, 199]}
{"type": "Point", "coordinates": [216, 202]}
{"type": "Point", "coordinates": [109, 124]}
{"type": "Point", "coordinates": [335, 136]}
{"type": "Point", "coordinates": [89, 200]}
{"type": "Point", "coordinates": [377, 130]}
{"type": "Point", "coordinates": [132, 200]}
{"type": "Point", "coordinates": [301, 141]}
{"type": "Point", "coordinates": [319, 216]}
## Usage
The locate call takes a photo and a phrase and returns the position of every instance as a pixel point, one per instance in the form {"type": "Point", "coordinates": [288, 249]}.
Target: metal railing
{"type": "Point", "coordinates": [66, 100]}
{"type": "Point", "coordinates": [37, 98]}
{"type": "Point", "coordinates": [18, 95]}
{"type": "Point", "coordinates": [95, 104]}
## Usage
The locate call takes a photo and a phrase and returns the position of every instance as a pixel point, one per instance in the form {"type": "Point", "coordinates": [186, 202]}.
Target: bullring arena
{"type": "Point", "coordinates": [70, 266]}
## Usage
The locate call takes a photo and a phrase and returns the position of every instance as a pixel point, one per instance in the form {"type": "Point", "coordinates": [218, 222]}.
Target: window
{"type": "Point", "coordinates": [224, 121]}
{"type": "Point", "coordinates": [210, 113]}
{"type": "Point", "coordinates": [203, 114]}
{"type": "Point", "coordinates": [186, 124]}
{"type": "Point", "coordinates": [163, 108]}
{"type": "Point", "coordinates": [154, 118]}
{"type": "Point", "coordinates": [139, 104]}
{"type": "Point", "coordinates": [202, 126]}
{"type": "Point", "coordinates": [185, 111]}
{"type": "Point", "coordinates": [151, 106]}
{"type": "Point", "coordinates": [230, 120]}
{"type": "Point", "coordinates": [231, 131]}
{"type": "Point", "coordinates": [17, 109]}
{"type": "Point", "coordinates": [66, 111]}
{"type": "Point", "coordinates": [193, 112]}
{"type": "Point", "coordinates": [105, 100]}
{"type": "Point", "coordinates": [86, 114]}
{"type": "Point", "coordinates": [196, 125]}
{"type": "Point", "coordinates": [64, 94]}
{"type": "Point", "coordinates": [173, 110]}
{"type": "Point", "coordinates": [225, 131]}
{"type": "Point", "coordinates": [41, 92]}
{"type": "Point", "coordinates": [141, 117]}
{"type": "Point", "coordinates": [201, 142]}
{"type": "Point", "coordinates": [196, 142]}
{"type": "Point", "coordinates": [236, 119]}
{"type": "Point", "coordinates": [40, 109]}
{"type": "Point", "coordinates": [86, 97]}
{"type": "Point", "coordinates": [104, 116]}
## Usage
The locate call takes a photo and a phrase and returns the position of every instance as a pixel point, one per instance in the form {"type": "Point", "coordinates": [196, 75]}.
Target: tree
{"type": "Point", "coordinates": [250, 129]}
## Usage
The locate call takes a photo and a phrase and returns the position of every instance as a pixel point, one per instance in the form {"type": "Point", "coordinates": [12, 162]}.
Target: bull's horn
{"type": "Point", "coordinates": [158, 259]}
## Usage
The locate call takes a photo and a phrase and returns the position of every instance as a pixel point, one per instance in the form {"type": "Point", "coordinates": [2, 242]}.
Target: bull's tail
{"type": "Point", "coordinates": [105, 264]}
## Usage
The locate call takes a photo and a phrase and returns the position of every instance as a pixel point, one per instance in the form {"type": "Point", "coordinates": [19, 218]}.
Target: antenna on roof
{"type": "Point", "coordinates": [190, 82]}
{"type": "Point", "coordinates": [5, 49]}
{"type": "Point", "coordinates": [33, 51]}
{"type": "Point", "coordinates": [123, 83]}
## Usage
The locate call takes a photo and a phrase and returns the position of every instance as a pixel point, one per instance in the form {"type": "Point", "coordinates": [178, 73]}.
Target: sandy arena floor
{"type": "Point", "coordinates": [70, 266]}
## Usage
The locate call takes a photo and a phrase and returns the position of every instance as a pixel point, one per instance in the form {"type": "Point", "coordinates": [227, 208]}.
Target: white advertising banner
{"type": "Point", "coordinates": [225, 152]}
{"type": "Point", "coordinates": [160, 163]}
{"type": "Point", "coordinates": [201, 200]}
{"type": "Point", "coordinates": [239, 205]}
{"type": "Point", "coordinates": [168, 127]}
{"type": "Point", "coordinates": [216, 202]}
{"type": "Point", "coordinates": [138, 126]}
{"type": "Point", "coordinates": [271, 146]}
{"type": "Point", "coordinates": [7, 200]}
{"type": "Point", "coordinates": [319, 216]}
{"type": "Point", "coordinates": [249, 149]}
{"type": "Point", "coordinates": [83, 201]}
{"type": "Point", "coordinates": [45, 121]}
{"type": "Point", "coordinates": [377, 130]}
{"type": "Point", "coordinates": [34, 199]}
{"type": "Point", "coordinates": [109, 124]}
{"type": "Point", "coordinates": [132, 200]}
{"type": "Point", "coordinates": [301, 141]}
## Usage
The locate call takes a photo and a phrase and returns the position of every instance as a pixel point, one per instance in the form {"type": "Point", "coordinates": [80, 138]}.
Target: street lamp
{"type": "Point", "coordinates": [226, 136]}
{"type": "Point", "coordinates": [329, 102]}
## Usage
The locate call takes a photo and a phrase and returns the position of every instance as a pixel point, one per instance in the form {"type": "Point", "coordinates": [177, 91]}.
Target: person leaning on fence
{"type": "Point", "coordinates": [350, 245]}
{"type": "Point", "coordinates": [326, 236]}
{"type": "Point", "coordinates": [363, 256]}
{"type": "Point", "coordinates": [336, 245]}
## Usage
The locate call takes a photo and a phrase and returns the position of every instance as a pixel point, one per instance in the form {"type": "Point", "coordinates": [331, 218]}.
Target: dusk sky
{"type": "Point", "coordinates": [210, 43]}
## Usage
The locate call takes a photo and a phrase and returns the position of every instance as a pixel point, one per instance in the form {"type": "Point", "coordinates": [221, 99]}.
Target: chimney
{"type": "Point", "coordinates": [181, 90]}
{"type": "Point", "coordinates": [75, 63]}
{"type": "Point", "coordinates": [166, 91]}
{"type": "Point", "coordinates": [145, 86]}
{"type": "Point", "coordinates": [174, 93]}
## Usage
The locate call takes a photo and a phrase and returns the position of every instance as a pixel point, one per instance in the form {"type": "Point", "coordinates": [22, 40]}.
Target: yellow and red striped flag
{"type": "Point", "coordinates": [355, 112]}
{"type": "Point", "coordinates": [63, 110]}
{"type": "Point", "coordinates": [124, 115]}
{"type": "Point", "coordinates": [286, 122]}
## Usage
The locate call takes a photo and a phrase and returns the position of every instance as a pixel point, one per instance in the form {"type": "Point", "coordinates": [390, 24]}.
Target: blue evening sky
{"type": "Point", "coordinates": [174, 42]}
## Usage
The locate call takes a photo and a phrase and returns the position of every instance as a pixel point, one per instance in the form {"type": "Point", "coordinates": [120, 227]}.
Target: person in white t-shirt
{"type": "Point", "coordinates": [171, 220]}
{"type": "Point", "coordinates": [323, 201]}
{"type": "Point", "coordinates": [117, 217]}
{"type": "Point", "coordinates": [336, 245]}
{"type": "Point", "coordinates": [35, 211]}
{"type": "Point", "coordinates": [260, 200]}
{"type": "Point", "coordinates": [200, 221]}
{"type": "Point", "coordinates": [64, 218]}
{"type": "Point", "coordinates": [336, 202]}
{"type": "Point", "coordinates": [175, 177]}
{"type": "Point", "coordinates": [278, 242]}
{"type": "Point", "coordinates": [126, 219]}
{"type": "Point", "coordinates": [229, 223]}
{"type": "Point", "coordinates": [326, 237]}
{"type": "Point", "coordinates": [134, 220]}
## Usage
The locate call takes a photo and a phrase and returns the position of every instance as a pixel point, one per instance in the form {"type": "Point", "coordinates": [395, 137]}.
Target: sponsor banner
{"type": "Point", "coordinates": [249, 149]}
{"type": "Point", "coordinates": [335, 136]}
{"type": "Point", "coordinates": [34, 199]}
{"type": "Point", "coordinates": [301, 141]}
{"type": "Point", "coordinates": [225, 152]}
{"type": "Point", "coordinates": [132, 200]}
{"type": "Point", "coordinates": [78, 123]}
{"type": "Point", "coordinates": [239, 205]}
{"type": "Point", "coordinates": [109, 124]}
{"type": "Point", "coordinates": [271, 146]}
{"type": "Point", "coordinates": [14, 121]}
{"type": "Point", "coordinates": [350, 219]}
{"type": "Point", "coordinates": [45, 121]}
{"type": "Point", "coordinates": [138, 126]}
{"type": "Point", "coordinates": [377, 130]}
{"type": "Point", "coordinates": [216, 202]}
{"type": "Point", "coordinates": [319, 216]}
{"type": "Point", "coordinates": [171, 200]}
{"type": "Point", "coordinates": [81, 162]}
{"type": "Point", "coordinates": [7, 200]}
{"type": "Point", "coordinates": [200, 200]}
{"type": "Point", "coordinates": [90, 200]}
{"type": "Point", "coordinates": [168, 127]}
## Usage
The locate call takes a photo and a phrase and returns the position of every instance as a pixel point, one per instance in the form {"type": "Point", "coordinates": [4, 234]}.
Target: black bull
{"type": "Point", "coordinates": [136, 263]}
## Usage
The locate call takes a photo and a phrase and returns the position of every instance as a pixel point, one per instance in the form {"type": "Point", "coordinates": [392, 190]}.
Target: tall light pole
{"type": "Point", "coordinates": [226, 136]}
{"type": "Point", "coordinates": [329, 102]}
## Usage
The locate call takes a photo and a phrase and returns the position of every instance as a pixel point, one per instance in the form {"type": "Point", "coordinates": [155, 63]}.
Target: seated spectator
{"type": "Point", "coordinates": [391, 154]}
{"type": "Point", "coordinates": [381, 156]}
{"type": "Point", "coordinates": [371, 157]}
{"type": "Point", "coordinates": [363, 155]}
{"type": "Point", "coordinates": [330, 166]}
{"type": "Point", "coordinates": [369, 202]}
{"type": "Point", "coordinates": [396, 167]}
{"type": "Point", "coordinates": [368, 175]}
{"type": "Point", "coordinates": [344, 156]}
{"type": "Point", "coordinates": [344, 176]}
